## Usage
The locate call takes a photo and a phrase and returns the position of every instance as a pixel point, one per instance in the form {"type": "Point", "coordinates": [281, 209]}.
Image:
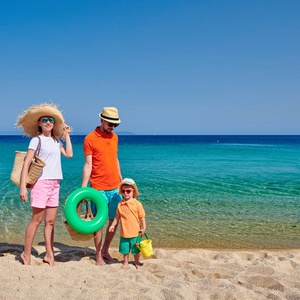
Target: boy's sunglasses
{"type": "Point", "coordinates": [126, 191]}
{"type": "Point", "coordinates": [45, 120]}
{"type": "Point", "coordinates": [113, 125]}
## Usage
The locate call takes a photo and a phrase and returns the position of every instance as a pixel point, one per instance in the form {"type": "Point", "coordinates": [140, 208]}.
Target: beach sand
{"type": "Point", "coordinates": [169, 274]}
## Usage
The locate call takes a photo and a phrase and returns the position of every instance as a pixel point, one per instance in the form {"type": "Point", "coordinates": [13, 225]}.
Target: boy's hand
{"type": "Point", "coordinates": [111, 229]}
{"type": "Point", "coordinates": [142, 231]}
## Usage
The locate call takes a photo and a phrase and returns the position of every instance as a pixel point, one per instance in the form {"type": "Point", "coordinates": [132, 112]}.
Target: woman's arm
{"type": "Point", "coordinates": [28, 159]}
{"type": "Point", "coordinates": [68, 150]}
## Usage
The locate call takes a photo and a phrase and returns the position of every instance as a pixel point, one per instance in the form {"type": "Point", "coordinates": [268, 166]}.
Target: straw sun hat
{"type": "Point", "coordinates": [28, 120]}
{"type": "Point", "coordinates": [110, 114]}
{"type": "Point", "coordinates": [130, 182]}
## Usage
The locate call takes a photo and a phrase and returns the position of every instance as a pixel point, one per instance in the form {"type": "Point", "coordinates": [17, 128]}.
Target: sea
{"type": "Point", "coordinates": [212, 192]}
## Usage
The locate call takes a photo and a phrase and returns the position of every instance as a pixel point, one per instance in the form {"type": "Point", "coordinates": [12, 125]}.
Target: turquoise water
{"type": "Point", "coordinates": [223, 192]}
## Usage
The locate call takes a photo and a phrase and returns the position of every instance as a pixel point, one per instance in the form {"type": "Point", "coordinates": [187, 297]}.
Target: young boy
{"type": "Point", "coordinates": [131, 214]}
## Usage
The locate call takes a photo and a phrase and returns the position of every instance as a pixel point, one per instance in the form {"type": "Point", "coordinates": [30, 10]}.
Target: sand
{"type": "Point", "coordinates": [169, 274]}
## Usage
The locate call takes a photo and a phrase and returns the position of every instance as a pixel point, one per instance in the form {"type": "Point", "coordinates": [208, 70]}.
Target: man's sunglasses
{"type": "Point", "coordinates": [113, 125]}
{"type": "Point", "coordinates": [45, 120]}
{"type": "Point", "coordinates": [126, 191]}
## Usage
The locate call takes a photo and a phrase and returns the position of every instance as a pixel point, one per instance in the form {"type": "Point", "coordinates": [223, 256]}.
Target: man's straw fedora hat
{"type": "Point", "coordinates": [110, 114]}
{"type": "Point", "coordinates": [28, 120]}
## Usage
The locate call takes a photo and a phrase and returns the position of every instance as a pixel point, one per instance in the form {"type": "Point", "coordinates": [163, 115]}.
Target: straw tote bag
{"type": "Point", "coordinates": [75, 235]}
{"type": "Point", "coordinates": [35, 167]}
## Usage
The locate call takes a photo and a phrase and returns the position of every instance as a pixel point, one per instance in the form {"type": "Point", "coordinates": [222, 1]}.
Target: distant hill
{"type": "Point", "coordinates": [124, 133]}
{"type": "Point", "coordinates": [11, 132]}
{"type": "Point", "coordinates": [118, 133]}
{"type": "Point", "coordinates": [73, 133]}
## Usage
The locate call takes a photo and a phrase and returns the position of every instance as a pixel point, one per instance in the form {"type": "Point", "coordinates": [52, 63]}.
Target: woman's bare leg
{"type": "Point", "coordinates": [50, 216]}
{"type": "Point", "coordinates": [37, 217]}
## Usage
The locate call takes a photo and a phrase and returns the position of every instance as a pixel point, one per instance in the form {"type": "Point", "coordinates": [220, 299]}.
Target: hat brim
{"type": "Point", "coordinates": [128, 183]}
{"type": "Point", "coordinates": [28, 121]}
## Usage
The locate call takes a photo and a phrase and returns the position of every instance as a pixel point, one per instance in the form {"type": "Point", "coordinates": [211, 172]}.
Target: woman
{"type": "Point", "coordinates": [45, 124]}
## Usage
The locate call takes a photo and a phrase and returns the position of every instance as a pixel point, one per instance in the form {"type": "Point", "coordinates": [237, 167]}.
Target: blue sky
{"type": "Point", "coordinates": [170, 67]}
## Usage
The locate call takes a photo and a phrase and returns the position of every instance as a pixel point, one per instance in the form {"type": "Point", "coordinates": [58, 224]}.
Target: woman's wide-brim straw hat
{"type": "Point", "coordinates": [110, 114]}
{"type": "Point", "coordinates": [130, 182]}
{"type": "Point", "coordinates": [28, 121]}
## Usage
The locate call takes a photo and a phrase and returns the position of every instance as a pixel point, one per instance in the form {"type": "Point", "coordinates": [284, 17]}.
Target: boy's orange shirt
{"type": "Point", "coordinates": [130, 213]}
{"type": "Point", "coordinates": [104, 149]}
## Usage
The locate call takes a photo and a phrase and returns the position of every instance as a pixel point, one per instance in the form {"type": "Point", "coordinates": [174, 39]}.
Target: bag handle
{"type": "Point", "coordinates": [38, 149]}
{"type": "Point", "coordinates": [87, 209]}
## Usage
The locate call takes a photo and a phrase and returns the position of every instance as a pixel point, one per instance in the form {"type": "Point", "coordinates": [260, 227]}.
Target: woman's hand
{"type": "Point", "coordinates": [24, 194]}
{"type": "Point", "coordinates": [67, 129]}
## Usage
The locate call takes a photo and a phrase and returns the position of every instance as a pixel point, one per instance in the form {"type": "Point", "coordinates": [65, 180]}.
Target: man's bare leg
{"type": "Point", "coordinates": [98, 241]}
{"type": "Point", "coordinates": [108, 239]}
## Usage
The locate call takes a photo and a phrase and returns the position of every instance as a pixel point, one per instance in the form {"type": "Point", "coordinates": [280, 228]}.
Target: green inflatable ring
{"type": "Point", "coordinates": [75, 221]}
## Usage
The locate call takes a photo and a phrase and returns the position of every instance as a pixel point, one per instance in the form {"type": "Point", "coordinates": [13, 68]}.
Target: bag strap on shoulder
{"type": "Point", "coordinates": [38, 148]}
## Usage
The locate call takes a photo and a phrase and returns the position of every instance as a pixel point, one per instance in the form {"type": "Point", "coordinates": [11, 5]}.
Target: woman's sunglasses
{"type": "Point", "coordinates": [45, 120]}
{"type": "Point", "coordinates": [126, 191]}
{"type": "Point", "coordinates": [113, 125]}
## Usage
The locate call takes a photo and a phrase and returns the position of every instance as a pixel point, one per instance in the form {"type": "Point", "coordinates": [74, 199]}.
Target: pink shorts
{"type": "Point", "coordinates": [45, 193]}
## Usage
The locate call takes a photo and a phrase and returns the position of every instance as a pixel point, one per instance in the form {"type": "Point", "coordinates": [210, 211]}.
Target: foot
{"type": "Point", "coordinates": [106, 256]}
{"type": "Point", "coordinates": [49, 260]}
{"type": "Point", "coordinates": [138, 266]}
{"type": "Point", "coordinates": [124, 266]}
{"type": "Point", "coordinates": [26, 261]}
{"type": "Point", "coordinates": [100, 261]}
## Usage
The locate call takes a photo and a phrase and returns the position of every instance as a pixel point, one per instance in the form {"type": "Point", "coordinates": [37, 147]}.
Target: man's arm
{"type": "Point", "coordinates": [87, 170]}
{"type": "Point", "coordinates": [119, 170]}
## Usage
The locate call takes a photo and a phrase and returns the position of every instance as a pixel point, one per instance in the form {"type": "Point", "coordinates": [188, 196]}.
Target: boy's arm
{"type": "Point", "coordinates": [114, 223]}
{"type": "Point", "coordinates": [143, 222]}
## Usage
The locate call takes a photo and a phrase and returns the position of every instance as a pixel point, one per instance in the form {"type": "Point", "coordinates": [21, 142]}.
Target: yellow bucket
{"type": "Point", "coordinates": [146, 248]}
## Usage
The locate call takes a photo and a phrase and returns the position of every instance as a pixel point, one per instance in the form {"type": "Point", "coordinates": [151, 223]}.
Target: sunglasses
{"type": "Point", "coordinates": [113, 125]}
{"type": "Point", "coordinates": [45, 120]}
{"type": "Point", "coordinates": [126, 191]}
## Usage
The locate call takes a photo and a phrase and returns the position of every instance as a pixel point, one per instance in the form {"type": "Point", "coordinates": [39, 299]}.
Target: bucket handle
{"type": "Point", "coordinates": [138, 242]}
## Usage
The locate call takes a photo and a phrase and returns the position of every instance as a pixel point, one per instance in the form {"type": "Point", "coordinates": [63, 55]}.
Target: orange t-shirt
{"type": "Point", "coordinates": [130, 213]}
{"type": "Point", "coordinates": [104, 149]}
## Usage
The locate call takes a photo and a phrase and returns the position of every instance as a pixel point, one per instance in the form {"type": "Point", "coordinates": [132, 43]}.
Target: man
{"type": "Point", "coordinates": [102, 168]}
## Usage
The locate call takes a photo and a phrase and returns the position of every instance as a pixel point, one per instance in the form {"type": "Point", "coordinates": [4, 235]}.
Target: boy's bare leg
{"type": "Point", "coordinates": [137, 263]}
{"type": "Point", "coordinates": [125, 263]}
